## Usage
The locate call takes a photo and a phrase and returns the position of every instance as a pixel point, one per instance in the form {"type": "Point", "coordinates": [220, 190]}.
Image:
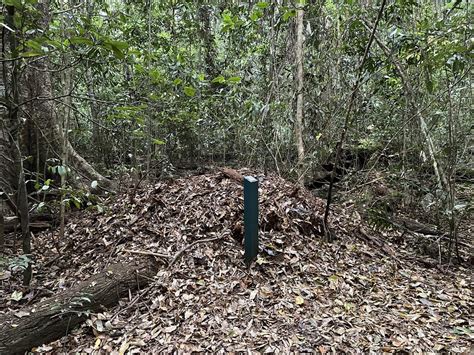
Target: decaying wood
{"type": "Point", "coordinates": [55, 317]}
{"type": "Point", "coordinates": [232, 174]}
{"type": "Point", "coordinates": [37, 222]}
{"type": "Point", "coordinates": [415, 226]}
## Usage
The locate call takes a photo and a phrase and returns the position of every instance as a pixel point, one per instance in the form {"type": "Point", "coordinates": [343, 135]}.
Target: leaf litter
{"type": "Point", "coordinates": [301, 294]}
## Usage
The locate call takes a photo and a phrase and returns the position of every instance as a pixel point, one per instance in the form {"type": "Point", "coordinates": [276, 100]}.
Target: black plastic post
{"type": "Point", "coordinates": [250, 218]}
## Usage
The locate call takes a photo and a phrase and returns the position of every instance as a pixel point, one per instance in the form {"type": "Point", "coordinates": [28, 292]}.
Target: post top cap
{"type": "Point", "coordinates": [250, 179]}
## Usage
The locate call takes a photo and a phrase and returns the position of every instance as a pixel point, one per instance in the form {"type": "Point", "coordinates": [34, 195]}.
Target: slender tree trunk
{"type": "Point", "coordinates": [12, 99]}
{"type": "Point", "coordinates": [411, 100]}
{"type": "Point", "coordinates": [66, 113]}
{"type": "Point", "coordinates": [299, 94]}
{"type": "Point", "coordinates": [2, 231]}
{"type": "Point", "coordinates": [348, 120]}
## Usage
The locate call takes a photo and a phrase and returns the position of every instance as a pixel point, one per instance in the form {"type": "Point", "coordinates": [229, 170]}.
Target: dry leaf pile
{"type": "Point", "coordinates": [301, 294]}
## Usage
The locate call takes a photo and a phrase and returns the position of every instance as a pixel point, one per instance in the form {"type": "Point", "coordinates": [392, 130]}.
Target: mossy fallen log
{"type": "Point", "coordinates": [55, 317]}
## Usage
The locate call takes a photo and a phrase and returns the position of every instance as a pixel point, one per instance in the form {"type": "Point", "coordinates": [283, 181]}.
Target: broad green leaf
{"type": "Point", "coordinates": [234, 80]}
{"type": "Point", "coordinates": [81, 40]}
{"type": "Point", "coordinates": [262, 4]}
{"type": "Point", "coordinates": [189, 91]}
{"type": "Point", "coordinates": [118, 53]}
{"type": "Point", "coordinates": [36, 46]}
{"type": "Point", "coordinates": [220, 80]}
{"type": "Point", "coordinates": [256, 15]}
{"type": "Point", "coordinates": [289, 14]}
{"type": "Point", "coordinates": [177, 81]}
{"type": "Point", "coordinates": [30, 54]}
{"type": "Point", "coordinates": [119, 44]}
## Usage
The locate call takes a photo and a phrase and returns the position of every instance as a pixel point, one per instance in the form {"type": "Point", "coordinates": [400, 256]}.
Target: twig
{"type": "Point", "coordinates": [132, 302]}
{"type": "Point", "coordinates": [140, 252]}
{"type": "Point", "coordinates": [179, 253]}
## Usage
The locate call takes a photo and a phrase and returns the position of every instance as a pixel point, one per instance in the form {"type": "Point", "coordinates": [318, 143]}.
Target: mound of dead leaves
{"type": "Point", "coordinates": [300, 295]}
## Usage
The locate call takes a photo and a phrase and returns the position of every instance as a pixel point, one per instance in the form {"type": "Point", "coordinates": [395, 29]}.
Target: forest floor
{"type": "Point", "coordinates": [365, 291]}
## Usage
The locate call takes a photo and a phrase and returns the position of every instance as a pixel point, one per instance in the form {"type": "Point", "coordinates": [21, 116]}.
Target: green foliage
{"type": "Point", "coordinates": [194, 80]}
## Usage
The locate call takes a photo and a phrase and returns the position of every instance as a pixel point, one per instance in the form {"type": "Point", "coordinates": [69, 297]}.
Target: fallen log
{"type": "Point", "coordinates": [233, 174]}
{"type": "Point", "coordinates": [37, 222]}
{"type": "Point", "coordinates": [415, 226]}
{"type": "Point", "coordinates": [55, 317]}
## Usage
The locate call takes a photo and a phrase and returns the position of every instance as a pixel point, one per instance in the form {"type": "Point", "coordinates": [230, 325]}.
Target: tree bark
{"type": "Point", "coordinates": [2, 231]}
{"type": "Point", "coordinates": [43, 125]}
{"type": "Point", "coordinates": [13, 128]}
{"type": "Point", "coordinates": [299, 94]}
{"type": "Point", "coordinates": [56, 317]}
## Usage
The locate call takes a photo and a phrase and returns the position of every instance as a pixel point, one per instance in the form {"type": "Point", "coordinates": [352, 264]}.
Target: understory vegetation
{"type": "Point", "coordinates": [127, 127]}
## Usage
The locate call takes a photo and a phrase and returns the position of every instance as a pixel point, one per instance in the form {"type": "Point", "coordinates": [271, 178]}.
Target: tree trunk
{"type": "Point", "coordinates": [13, 127]}
{"type": "Point", "coordinates": [299, 94]}
{"type": "Point", "coordinates": [44, 126]}
{"type": "Point", "coordinates": [56, 317]}
{"type": "Point", "coordinates": [2, 231]}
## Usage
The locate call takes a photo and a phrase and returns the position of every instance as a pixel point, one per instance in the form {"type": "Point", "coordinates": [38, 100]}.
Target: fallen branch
{"type": "Point", "coordinates": [176, 256]}
{"type": "Point", "coordinates": [37, 222]}
{"type": "Point", "coordinates": [179, 253]}
{"type": "Point", "coordinates": [140, 252]}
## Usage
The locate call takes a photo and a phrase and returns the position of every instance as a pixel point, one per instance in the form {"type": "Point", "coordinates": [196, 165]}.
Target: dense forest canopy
{"type": "Point", "coordinates": [338, 96]}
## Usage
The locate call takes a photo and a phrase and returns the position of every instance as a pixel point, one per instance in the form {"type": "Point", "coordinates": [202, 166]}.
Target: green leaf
{"type": "Point", "coordinates": [262, 4]}
{"type": "Point", "coordinates": [76, 202]}
{"type": "Point", "coordinates": [118, 53]}
{"type": "Point", "coordinates": [177, 81]}
{"type": "Point", "coordinates": [189, 91]}
{"type": "Point", "coordinates": [119, 44]}
{"type": "Point", "coordinates": [158, 141]}
{"type": "Point", "coordinates": [164, 35]}
{"type": "Point", "coordinates": [81, 40]}
{"type": "Point", "coordinates": [220, 80]}
{"type": "Point", "coordinates": [33, 45]}
{"type": "Point", "coordinates": [256, 15]}
{"type": "Point", "coordinates": [234, 80]}
{"type": "Point", "coordinates": [289, 14]}
{"type": "Point", "coordinates": [30, 54]}
{"type": "Point", "coordinates": [15, 3]}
